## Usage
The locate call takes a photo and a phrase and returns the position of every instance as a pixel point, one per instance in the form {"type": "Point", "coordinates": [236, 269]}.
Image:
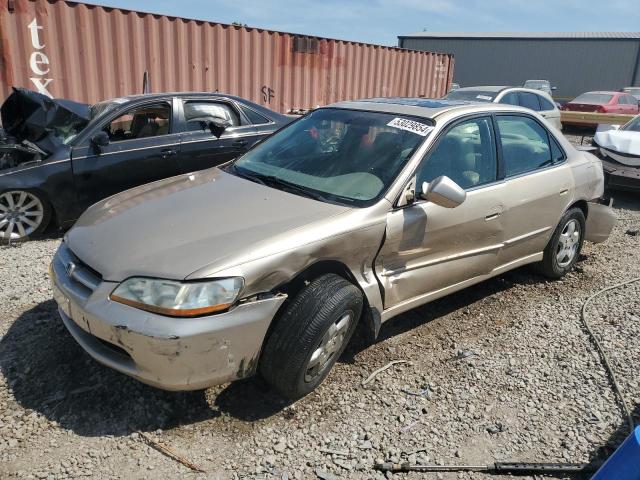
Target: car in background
{"type": "Point", "coordinates": [535, 100]}
{"type": "Point", "coordinates": [58, 157]}
{"type": "Point", "coordinates": [635, 91]}
{"type": "Point", "coordinates": [454, 86]}
{"type": "Point", "coordinates": [619, 150]}
{"type": "Point", "coordinates": [353, 214]}
{"type": "Point", "coordinates": [603, 102]}
{"type": "Point", "coordinates": [542, 85]}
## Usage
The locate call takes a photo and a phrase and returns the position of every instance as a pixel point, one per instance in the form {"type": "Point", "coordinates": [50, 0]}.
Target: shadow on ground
{"type": "Point", "coordinates": [48, 372]}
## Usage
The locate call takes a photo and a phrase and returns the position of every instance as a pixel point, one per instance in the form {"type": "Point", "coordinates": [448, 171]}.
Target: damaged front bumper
{"type": "Point", "coordinates": [167, 353]}
{"type": "Point", "coordinates": [620, 176]}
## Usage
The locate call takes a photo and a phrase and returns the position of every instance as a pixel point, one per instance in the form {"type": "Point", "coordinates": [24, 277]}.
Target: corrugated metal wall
{"type": "Point", "coordinates": [89, 53]}
{"type": "Point", "coordinates": [573, 65]}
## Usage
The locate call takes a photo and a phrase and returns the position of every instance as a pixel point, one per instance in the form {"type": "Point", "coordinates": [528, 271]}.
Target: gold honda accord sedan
{"type": "Point", "coordinates": [354, 213]}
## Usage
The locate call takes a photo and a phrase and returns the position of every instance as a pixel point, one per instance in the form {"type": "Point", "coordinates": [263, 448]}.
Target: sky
{"type": "Point", "coordinates": [381, 21]}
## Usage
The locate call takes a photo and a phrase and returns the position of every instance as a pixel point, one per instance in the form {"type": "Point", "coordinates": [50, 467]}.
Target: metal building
{"type": "Point", "coordinates": [574, 62]}
{"type": "Point", "coordinates": [89, 53]}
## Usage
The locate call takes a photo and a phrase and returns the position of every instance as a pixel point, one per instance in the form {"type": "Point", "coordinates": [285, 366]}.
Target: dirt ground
{"type": "Point", "coordinates": [502, 371]}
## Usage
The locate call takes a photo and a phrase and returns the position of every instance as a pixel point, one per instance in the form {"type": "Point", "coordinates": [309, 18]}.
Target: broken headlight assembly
{"type": "Point", "coordinates": [178, 299]}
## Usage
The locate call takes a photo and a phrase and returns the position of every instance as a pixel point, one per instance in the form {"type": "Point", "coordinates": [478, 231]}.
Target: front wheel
{"type": "Point", "coordinates": [563, 249]}
{"type": "Point", "coordinates": [23, 215]}
{"type": "Point", "coordinates": [310, 336]}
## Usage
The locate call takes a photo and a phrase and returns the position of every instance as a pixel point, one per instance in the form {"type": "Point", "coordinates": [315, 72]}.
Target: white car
{"type": "Point", "coordinates": [535, 100]}
{"type": "Point", "coordinates": [619, 149]}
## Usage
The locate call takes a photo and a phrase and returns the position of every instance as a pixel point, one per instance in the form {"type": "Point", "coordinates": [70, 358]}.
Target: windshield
{"type": "Point", "coordinates": [633, 125]}
{"type": "Point", "coordinates": [343, 156]}
{"type": "Point", "coordinates": [593, 98]}
{"type": "Point", "coordinates": [536, 84]}
{"type": "Point", "coordinates": [471, 95]}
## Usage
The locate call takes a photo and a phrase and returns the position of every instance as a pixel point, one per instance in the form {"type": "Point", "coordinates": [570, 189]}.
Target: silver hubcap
{"type": "Point", "coordinates": [21, 214]}
{"type": "Point", "coordinates": [329, 346]}
{"type": "Point", "coordinates": [568, 243]}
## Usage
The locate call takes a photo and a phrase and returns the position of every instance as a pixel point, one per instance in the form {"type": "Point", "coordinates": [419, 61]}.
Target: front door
{"type": "Point", "coordinates": [142, 148]}
{"type": "Point", "coordinates": [200, 148]}
{"type": "Point", "coordinates": [429, 248]}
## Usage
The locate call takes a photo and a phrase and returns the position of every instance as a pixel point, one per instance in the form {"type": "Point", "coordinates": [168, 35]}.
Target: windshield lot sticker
{"type": "Point", "coordinates": [484, 97]}
{"type": "Point", "coordinates": [421, 129]}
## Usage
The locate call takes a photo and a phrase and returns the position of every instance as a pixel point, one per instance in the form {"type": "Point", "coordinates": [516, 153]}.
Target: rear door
{"type": "Point", "coordinates": [429, 248]}
{"type": "Point", "coordinates": [538, 185]}
{"type": "Point", "coordinates": [143, 147]}
{"type": "Point", "coordinates": [200, 148]}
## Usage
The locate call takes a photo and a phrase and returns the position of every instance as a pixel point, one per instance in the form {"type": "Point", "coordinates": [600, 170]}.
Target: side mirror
{"type": "Point", "coordinates": [100, 139]}
{"type": "Point", "coordinates": [444, 192]}
{"type": "Point", "coordinates": [218, 126]}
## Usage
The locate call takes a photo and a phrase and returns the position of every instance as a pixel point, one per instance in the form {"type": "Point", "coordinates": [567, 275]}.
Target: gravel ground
{"type": "Point", "coordinates": [501, 371]}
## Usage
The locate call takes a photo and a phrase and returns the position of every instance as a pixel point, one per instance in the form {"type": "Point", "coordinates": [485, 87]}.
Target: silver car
{"type": "Point", "coordinates": [355, 213]}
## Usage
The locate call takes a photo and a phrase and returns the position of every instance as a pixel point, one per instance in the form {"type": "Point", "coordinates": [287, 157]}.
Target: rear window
{"type": "Point", "coordinates": [546, 104]}
{"type": "Point", "coordinates": [593, 98]}
{"type": "Point", "coordinates": [529, 100]}
{"type": "Point", "coordinates": [472, 95]}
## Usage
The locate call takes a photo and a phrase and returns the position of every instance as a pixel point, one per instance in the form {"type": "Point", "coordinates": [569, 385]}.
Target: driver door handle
{"type": "Point", "coordinates": [168, 152]}
{"type": "Point", "coordinates": [239, 143]}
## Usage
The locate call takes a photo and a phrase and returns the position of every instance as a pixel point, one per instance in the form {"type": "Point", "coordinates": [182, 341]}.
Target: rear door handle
{"type": "Point", "coordinates": [168, 152]}
{"type": "Point", "coordinates": [493, 215]}
{"type": "Point", "coordinates": [239, 143]}
{"type": "Point", "coordinates": [564, 191]}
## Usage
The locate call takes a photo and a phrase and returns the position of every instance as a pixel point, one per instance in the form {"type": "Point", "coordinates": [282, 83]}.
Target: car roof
{"type": "Point", "coordinates": [422, 107]}
{"type": "Point", "coordinates": [486, 88]}
{"type": "Point", "coordinates": [603, 92]}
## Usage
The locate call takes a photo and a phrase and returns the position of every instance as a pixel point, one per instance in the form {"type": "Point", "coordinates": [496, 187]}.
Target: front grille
{"type": "Point", "coordinates": [83, 279]}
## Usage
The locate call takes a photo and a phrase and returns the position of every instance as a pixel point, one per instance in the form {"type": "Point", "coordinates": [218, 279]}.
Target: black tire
{"type": "Point", "coordinates": [44, 221]}
{"type": "Point", "coordinates": [300, 331]}
{"type": "Point", "coordinates": [550, 266]}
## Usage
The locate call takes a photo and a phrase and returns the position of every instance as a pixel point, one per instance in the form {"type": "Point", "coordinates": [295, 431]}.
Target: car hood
{"type": "Point", "coordinates": [621, 141]}
{"type": "Point", "coordinates": [174, 227]}
{"type": "Point", "coordinates": [33, 117]}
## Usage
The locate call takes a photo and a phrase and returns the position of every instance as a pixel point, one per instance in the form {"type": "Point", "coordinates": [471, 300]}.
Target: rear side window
{"type": "Point", "coordinates": [510, 98]}
{"type": "Point", "coordinates": [466, 154]}
{"type": "Point", "coordinates": [529, 100]}
{"type": "Point", "coordinates": [254, 117]}
{"type": "Point", "coordinates": [622, 100]}
{"type": "Point", "coordinates": [197, 115]}
{"type": "Point", "coordinates": [525, 145]}
{"type": "Point", "coordinates": [545, 104]}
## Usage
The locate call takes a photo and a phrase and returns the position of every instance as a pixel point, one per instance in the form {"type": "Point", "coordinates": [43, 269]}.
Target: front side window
{"type": "Point", "coordinates": [466, 154]}
{"type": "Point", "coordinates": [197, 115]}
{"type": "Point", "coordinates": [510, 98]}
{"type": "Point", "coordinates": [622, 100]}
{"type": "Point", "coordinates": [525, 144]}
{"type": "Point", "coordinates": [529, 100]}
{"type": "Point", "coordinates": [141, 122]}
{"type": "Point", "coordinates": [345, 156]}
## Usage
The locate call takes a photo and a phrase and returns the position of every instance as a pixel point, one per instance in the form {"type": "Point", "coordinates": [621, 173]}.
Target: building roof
{"type": "Point", "coordinates": [528, 35]}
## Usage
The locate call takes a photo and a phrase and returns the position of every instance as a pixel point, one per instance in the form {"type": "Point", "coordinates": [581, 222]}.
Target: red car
{"type": "Point", "coordinates": [604, 102]}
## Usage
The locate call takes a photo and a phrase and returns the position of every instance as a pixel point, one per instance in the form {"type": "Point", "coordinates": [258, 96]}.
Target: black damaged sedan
{"type": "Point", "coordinates": [57, 157]}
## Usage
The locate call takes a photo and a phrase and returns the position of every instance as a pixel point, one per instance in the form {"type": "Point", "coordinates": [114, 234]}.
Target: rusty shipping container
{"type": "Point", "coordinates": [90, 53]}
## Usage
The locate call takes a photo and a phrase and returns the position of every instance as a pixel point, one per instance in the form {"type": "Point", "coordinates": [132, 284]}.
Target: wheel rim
{"type": "Point", "coordinates": [331, 343]}
{"type": "Point", "coordinates": [568, 243]}
{"type": "Point", "coordinates": [21, 214]}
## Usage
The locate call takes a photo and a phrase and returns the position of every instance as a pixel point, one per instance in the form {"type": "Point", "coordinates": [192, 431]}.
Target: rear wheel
{"type": "Point", "coordinates": [563, 249]}
{"type": "Point", "coordinates": [23, 215]}
{"type": "Point", "coordinates": [310, 336]}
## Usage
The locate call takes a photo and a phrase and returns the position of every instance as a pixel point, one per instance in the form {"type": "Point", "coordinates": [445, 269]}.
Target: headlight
{"type": "Point", "coordinates": [178, 299]}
